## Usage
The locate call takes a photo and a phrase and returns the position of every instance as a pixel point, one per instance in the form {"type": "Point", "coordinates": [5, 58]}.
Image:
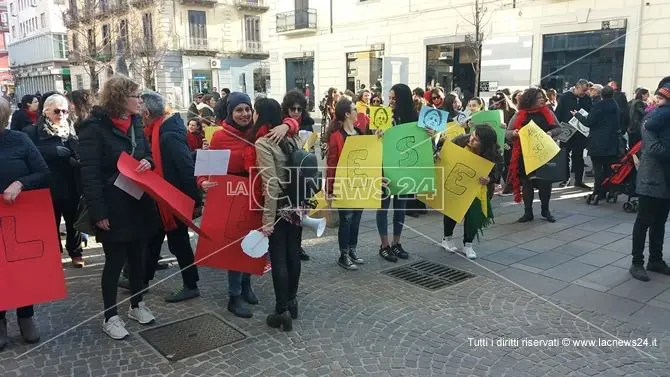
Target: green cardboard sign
{"type": "Point", "coordinates": [493, 118]}
{"type": "Point", "coordinates": [407, 160]}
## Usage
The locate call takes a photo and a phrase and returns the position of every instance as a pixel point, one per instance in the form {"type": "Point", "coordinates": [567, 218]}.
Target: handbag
{"type": "Point", "coordinates": [553, 171]}
{"type": "Point", "coordinates": [84, 223]}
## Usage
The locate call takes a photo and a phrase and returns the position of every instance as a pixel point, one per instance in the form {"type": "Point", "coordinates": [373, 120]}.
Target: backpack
{"type": "Point", "coordinates": [304, 175]}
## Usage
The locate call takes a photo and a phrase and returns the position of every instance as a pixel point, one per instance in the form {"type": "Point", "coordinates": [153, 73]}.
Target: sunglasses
{"type": "Point", "coordinates": [377, 101]}
{"type": "Point", "coordinates": [295, 109]}
{"type": "Point", "coordinates": [58, 111]}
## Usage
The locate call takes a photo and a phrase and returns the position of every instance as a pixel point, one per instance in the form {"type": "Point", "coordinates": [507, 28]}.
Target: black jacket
{"type": "Point", "coordinates": [20, 120]}
{"type": "Point", "coordinates": [603, 122]}
{"type": "Point", "coordinates": [64, 167]}
{"type": "Point", "coordinates": [307, 123]}
{"type": "Point", "coordinates": [100, 146]}
{"type": "Point", "coordinates": [570, 102]}
{"type": "Point", "coordinates": [178, 165]}
{"type": "Point", "coordinates": [192, 112]}
{"type": "Point", "coordinates": [624, 116]}
{"type": "Point", "coordinates": [21, 161]}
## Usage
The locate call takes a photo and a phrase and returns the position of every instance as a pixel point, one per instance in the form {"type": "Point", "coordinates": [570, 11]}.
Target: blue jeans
{"type": "Point", "coordinates": [399, 203]}
{"type": "Point", "coordinates": [347, 235]}
{"type": "Point", "coordinates": [236, 280]}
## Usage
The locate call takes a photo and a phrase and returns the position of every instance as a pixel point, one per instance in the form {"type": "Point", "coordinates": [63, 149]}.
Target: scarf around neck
{"type": "Point", "coordinates": [153, 134]}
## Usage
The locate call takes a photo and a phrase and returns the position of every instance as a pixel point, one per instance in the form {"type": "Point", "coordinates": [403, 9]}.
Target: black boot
{"type": "Point", "coordinates": [527, 216]}
{"type": "Point", "coordinates": [248, 294]}
{"type": "Point", "coordinates": [293, 308]}
{"type": "Point", "coordinates": [237, 307]}
{"type": "Point", "coordinates": [29, 330]}
{"type": "Point", "coordinates": [3, 334]}
{"type": "Point", "coordinates": [658, 266]}
{"type": "Point", "coordinates": [303, 254]}
{"type": "Point", "coordinates": [637, 272]}
{"type": "Point", "coordinates": [283, 320]}
{"type": "Point", "coordinates": [548, 216]}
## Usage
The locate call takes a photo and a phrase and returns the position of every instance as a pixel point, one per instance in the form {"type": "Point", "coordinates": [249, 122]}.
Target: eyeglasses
{"type": "Point", "coordinates": [58, 111]}
{"type": "Point", "coordinates": [295, 109]}
{"type": "Point", "coordinates": [436, 98]}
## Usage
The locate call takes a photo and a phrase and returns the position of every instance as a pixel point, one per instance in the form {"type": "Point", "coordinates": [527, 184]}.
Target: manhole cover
{"type": "Point", "coordinates": [428, 275]}
{"type": "Point", "coordinates": [192, 336]}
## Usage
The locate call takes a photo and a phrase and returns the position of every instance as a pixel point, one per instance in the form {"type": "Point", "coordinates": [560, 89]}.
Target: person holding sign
{"type": "Point", "coordinates": [294, 106]}
{"type": "Point", "coordinates": [532, 107]}
{"type": "Point", "coordinates": [123, 224]}
{"type": "Point", "coordinates": [483, 143]}
{"type": "Point", "coordinates": [237, 135]}
{"type": "Point", "coordinates": [338, 131]}
{"type": "Point", "coordinates": [23, 168]}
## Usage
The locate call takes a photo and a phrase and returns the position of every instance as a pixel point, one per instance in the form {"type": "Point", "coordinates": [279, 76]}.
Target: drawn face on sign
{"type": "Point", "coordinates": [433, 119]}
{"type": "Point", "coordinates": [356, 177]}
{"type": "Point", "coordinates": [409, 155]}
{"type": "Point", "coordinates": [380, 118]}
{"type": "Point", "coordinates": [454, 181]}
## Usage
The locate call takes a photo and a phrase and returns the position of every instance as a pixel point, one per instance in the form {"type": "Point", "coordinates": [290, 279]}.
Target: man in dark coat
{"type": "Point", "coordinates": [193, 109]}
{"type": "Point", "coordinates": [167, 136]}
{"type": "Point", "coordinates": [574, 101]}
{"type": "Point", "coordinates": [603, 141]}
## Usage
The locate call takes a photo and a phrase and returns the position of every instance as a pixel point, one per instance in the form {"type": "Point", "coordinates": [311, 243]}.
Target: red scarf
{"type": "Point", "coordinates": [32, 115]}
{"type": "Point", "coordinates": [153, 134]}
{"type": "Point", "coordinates": [521, 120]}
{"type": "Point", "coordinates": [122, 124]}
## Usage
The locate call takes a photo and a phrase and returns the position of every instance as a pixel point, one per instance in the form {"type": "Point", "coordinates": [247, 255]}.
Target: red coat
{"type": "Point", "coordinates": [194, 141]}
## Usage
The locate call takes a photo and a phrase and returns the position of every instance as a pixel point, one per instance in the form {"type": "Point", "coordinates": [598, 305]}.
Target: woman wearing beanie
{"type": "Point", "coordinates": [235, 136]}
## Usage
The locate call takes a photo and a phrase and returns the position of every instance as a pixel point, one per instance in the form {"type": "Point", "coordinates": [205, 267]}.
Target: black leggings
{"type": "Point", "coordinates": [601, 170]}
{"type": "Point", "coordinates": [179, 244]}
{"type": "Point", "coordinates": [116, 254]}
{"type": "Point", "coordinates": [285, 259]}
{"type": "Point", "coordinates": [449, 225]}
{"type": "Point", "coordinates": [544, 190]}
{"type": "Point", "coordinates": [652, 213]}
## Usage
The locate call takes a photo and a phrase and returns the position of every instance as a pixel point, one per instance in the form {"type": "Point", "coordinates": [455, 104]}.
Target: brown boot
{"type": "Point", "coordinates": [29, 330]}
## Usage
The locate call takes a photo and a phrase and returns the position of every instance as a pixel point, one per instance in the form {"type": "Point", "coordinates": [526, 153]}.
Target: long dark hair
{"type": "Point", "coordinates": [198, 123]}
{"type": "Point", "coordinates": [269, 114]}
{"type": "Point", "coordinates": [331, 91]}
{"type": "Point", "coordinates": [342, 108]}
{"type": "Point", "coordinates": [448, 105]}
{"type": "Point", "coordinates": [404, 105]}
{"type": "Point", "coordinates": [26, 101]}
{"type": "Point", "coordinates": [641, 92]}
{"type": "Point", "coordinates": [488, 142]}
{"type": "Point", "coordinates": [82, 101]}
{"type": "Point", "coordinates": [292, 97]}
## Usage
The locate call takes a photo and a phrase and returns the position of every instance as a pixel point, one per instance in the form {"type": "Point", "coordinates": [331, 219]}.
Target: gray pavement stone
{"type": "Point", "coordinates": [510, 256]}
{"type": "Point", "coordinates": [607, 277]}
{"type": "Point", "coordinates": [639, 291]}
{"type": "Point", "coordinates": [600, 257]}
{"type": "Point", "coordinates": [547, 260]}
{"type": "Point", "coordinates": [569, 271]}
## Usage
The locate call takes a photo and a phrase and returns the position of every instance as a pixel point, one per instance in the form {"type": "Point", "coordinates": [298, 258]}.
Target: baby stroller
{"type": "Point", "coordinates": [622, 179]}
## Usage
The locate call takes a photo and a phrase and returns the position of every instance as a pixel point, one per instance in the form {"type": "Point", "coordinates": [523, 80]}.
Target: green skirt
{"type": "Point", "coordinates": [475, 220]}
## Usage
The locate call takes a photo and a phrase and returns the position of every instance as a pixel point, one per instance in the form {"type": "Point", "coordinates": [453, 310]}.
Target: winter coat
{"type": "Point", "coordinates": [496, 172]}
{"type": "Point", "coordinates": [100, 146]}
{"type": "Point", "coordinates": [306, 123]}
{"type": "Point", "coordinates": [20, 120]}
{"type": "Point", "coordinates": [176, 157]}
{"type": "Point", "coordinates": [335, 146]}
{"type": "Point", "coordinates": [570, 102]}
{"type": "Point", "coordinates": [603, 122]}
{"type": "Point", "coordinates": [192, 112]}
{"type": "Point", "coordinates": [64, 179]}
{"type": "Point", "coordinates": [652, 175]}
{"type": "Point", "coordinates": [21, 161]}
{"type": "Point", "coordinates": [636, 110]}
{"type": "Point", "coordinates": [624, 116]}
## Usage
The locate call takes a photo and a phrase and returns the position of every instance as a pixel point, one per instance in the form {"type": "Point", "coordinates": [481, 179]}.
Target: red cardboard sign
{"type": "Point", "coordinates": [180, 204]}
{"type": "Point", "coordinates": [30, 261]}
{"type": "Point", "coordinates": [228, 218]}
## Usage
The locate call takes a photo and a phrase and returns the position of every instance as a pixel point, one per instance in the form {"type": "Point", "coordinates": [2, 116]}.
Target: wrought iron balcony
{"type": "Point", "coordinates": [252, 5]}
{"type": "Point", "coordinates": [140, 4]}
{"type": "Point", "coordinates": [200, 3]}
{"type": "Point", "coordinates": [297, 21]}
{"type": "Point", "coordinates": [71, 17]}
{"type": "Point", "coordinates": [200, 46]}
{"type": "Point", "coordinates": [252, 49]}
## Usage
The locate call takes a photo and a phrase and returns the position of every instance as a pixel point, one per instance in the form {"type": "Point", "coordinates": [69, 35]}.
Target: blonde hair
{"type": "Point", "coordinates": [5, 112]}
{"type": "Point", "coordinates": [54, 99]}
{"type": "Point", "coordinates": [115, 93]}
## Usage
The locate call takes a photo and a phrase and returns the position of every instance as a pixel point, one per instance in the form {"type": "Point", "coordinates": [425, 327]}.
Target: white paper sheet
{"type": "Point", "coordinates": [255, 244]}
{"type": "Point", "coordinates": [212, 162]}
{"type": "Point", "coordinates": [578, 126]}
{"type": "Point", "coordinates": [125, 184]}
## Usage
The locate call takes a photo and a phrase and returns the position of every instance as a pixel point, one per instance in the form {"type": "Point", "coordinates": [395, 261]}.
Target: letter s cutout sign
{"type": "Point", "coordinates": [410, 156]}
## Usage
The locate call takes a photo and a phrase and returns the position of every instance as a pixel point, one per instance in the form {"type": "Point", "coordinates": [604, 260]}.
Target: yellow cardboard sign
{"type": "Point", "coordinates": [358, 176]}
{"type": "Point", "coordinates": [321, 203]}
{"type": "Point", "coordinates": [209, 132]}
{"type": "Point", "coordinates": [454, 129]}
{"type": "Point", "coordinates": [537, 147]}
{"type": "Point", "coordinates": [381, 117]}
{"type": "Point", "coordinates": [313, 137]}
{"type": "Point", "coordinates": [457, 176]}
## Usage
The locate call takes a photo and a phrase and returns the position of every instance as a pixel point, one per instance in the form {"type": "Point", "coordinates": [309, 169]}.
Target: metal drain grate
{"type": "Point", "coordinates": [193, 336]}
{"type": "Point", "coordinates": [428, 275]}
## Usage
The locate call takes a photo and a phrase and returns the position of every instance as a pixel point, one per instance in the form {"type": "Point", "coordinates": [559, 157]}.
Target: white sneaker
{"type": "Point", "coordinates": [115, 328]}
{"type": "Point", "coordinates": [448, 244]}
{"type": "Point", "coordinates": [468, 251]}
{"type": "Point", "coordinates": [141, 314]}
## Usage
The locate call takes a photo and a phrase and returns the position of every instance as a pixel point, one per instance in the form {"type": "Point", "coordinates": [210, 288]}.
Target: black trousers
{"type": "Point", "coordinates": [652, 214]}
{"type": "Point", "coordinates": [449, 225]}
{"type": "Point", "coordinates": [180, 246]}
{"type": "Point", "coordinates": [575, 148]}
{"type": "Point", "coordinates": [116, 254]}
{"type": "Point", "coordinates": [507, 156]}
{"type": "Point", "coordinates": [544, 190]}
{"type": "Point", "coordinates": [601, 170]}
{"type": "Point", "coordinates": [285, 259]}
{"type": "Point", "coordinates": [68, 210]}
{"type": "Point", "coordinates": [22, 312]}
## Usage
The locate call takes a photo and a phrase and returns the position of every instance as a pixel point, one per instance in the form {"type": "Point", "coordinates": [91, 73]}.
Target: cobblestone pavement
{"type": "Point", "coordinates": [363, 323]}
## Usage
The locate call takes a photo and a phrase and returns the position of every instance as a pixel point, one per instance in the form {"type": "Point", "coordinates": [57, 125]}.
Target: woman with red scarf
{"type": "Point", "coordinates": [532, 107]}
{"type": "Point", "coordinates": [26, 115]}
{"type": "Point", "coordinates": [235, 136]}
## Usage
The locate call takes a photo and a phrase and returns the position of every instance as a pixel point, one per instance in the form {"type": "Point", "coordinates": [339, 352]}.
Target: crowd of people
{"type": "Point", "coordinates": [71, 145]}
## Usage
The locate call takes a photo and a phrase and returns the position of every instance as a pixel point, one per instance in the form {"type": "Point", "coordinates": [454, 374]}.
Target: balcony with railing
{"type": "Point", "coordinates": [251, 49]}
{"type": "Point", "coordinates": [252, 5]}
{"type": "Point", "coordinates": [71, 17]}
{"type": "Point", "coordinates": [140, 4]}
{"type": "Point", "coordinates": [199, 46]}
{"type": "Point", "coordinates": [200, 3]}
{"type": "Point", "coordinates": [297, 22]}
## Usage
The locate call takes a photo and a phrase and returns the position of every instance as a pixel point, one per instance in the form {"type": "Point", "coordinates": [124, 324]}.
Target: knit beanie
{"type": "Point", "coordinates": [234, 99]}
{"type": "Point", "coordinates": [664, 91]}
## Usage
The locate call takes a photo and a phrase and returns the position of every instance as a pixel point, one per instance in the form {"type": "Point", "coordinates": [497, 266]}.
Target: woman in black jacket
{"type": "Point", "coordinates": [23, 168]}
{"type": "Point", "coordinates": [26, 114]}
{"type": "Point", "coordinates": [294, 105]}
{"type": "Point", "coordinates": [637, 109]}
{"type": "Point", "coordinates": [123, 223]}
{"type": "Point", "coordinates": [56, 139]}
{"type": "Point", "coordinates": [603, 140]}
